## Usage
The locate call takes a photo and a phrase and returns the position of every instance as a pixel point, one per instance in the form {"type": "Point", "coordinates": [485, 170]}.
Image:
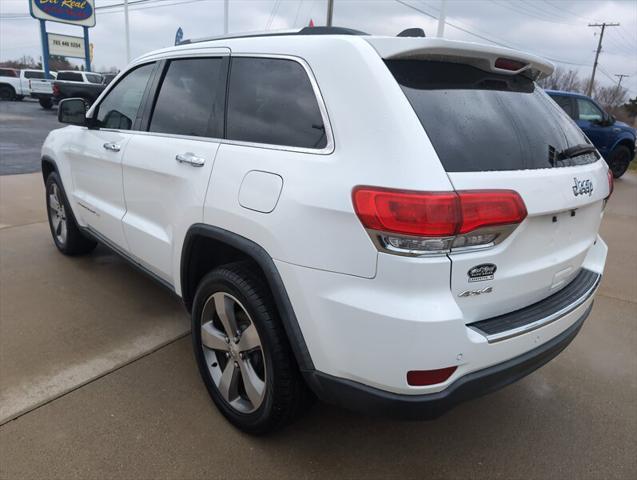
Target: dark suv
{"type": "Point", "coordinates": [614, 140]}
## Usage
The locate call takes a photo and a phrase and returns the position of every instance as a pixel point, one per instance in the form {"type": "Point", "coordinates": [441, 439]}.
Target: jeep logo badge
{"type": "Point", "coordinates": [582, 187]}
{"type": "Point", "coordinates": [482, 272]}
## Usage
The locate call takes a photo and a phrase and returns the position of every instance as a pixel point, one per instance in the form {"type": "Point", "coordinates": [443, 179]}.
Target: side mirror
{"type": "Point", "coordinates": [73, 111]}
{"type": "Point", "coordinates": [612, 119]}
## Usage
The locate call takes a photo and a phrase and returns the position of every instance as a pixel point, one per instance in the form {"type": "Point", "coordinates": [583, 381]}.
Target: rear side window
{"type": "Point", "coordinates": [70, 76]}
{"type": "Point", "coordinates": [33, 74]}
{"type": "Point", "coordinates": [565, 104]}
{"type": "Point", "coordinates": [191, 98]}
{"type": "Point", "coordinates": [93, 78]}
{"type": "Point", "coordinates": [481, 121]}
{"type": "Point", "coordinates": [272, 101]}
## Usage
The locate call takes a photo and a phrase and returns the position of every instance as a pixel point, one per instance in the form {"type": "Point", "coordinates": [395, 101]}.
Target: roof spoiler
{"type": "Point", "coordinates": [485, 57]}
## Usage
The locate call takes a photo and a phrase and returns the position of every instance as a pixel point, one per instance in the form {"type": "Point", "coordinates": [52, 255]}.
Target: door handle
{"type": "Point", "coordinates": [190, 159]}
{"type": "Point", "coordinates": [113, 147]}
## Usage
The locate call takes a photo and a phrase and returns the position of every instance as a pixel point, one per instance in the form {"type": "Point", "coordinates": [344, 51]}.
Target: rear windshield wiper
{"type": "Point", "coordinates": [576, 151]}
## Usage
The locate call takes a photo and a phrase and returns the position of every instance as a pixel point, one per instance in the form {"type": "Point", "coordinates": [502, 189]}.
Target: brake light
{"type": "Point", "coordinates": [56, 90]}
{"type": "Point", "coordinates": [509, 64]}
{"type": "Point", "coordinates": [410, 222]}
{"type": "Point", "coordinates": [611, 183]}
{"type": "Point", "coordinates": [421, 378]}
{"type": "Point", "coordinates": [426, 214]}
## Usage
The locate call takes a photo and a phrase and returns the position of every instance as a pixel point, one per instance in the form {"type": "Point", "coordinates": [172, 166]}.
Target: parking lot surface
{"type": "Point", "coordinates": [23, 127]}
{"type": "Point", "coordinates": [97, 380]}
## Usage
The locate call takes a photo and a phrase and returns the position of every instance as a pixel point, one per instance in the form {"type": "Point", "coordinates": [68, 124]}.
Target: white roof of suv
{"type": "Point", "coordinates": [294, 41]}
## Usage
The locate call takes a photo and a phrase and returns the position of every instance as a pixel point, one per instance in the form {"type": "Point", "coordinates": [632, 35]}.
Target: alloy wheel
{"type": "Point", "coordinates": [57, 214]}
{"type": "Point", "coordinates": [233, 352]}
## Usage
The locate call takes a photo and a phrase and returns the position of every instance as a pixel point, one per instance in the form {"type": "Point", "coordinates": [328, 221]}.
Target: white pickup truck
{"type": "Point", "coordinates": [16, 84]}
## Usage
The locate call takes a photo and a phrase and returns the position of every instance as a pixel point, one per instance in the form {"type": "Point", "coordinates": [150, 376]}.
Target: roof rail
{"type": "Point", "coordinates": [279, 33]}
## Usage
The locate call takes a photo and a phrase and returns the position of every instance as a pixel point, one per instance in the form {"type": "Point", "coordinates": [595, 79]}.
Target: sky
{"type": "Point", "coordinates": [554, 29]}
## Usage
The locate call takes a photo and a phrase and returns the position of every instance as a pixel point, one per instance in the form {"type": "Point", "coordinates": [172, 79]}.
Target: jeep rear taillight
{"type": "Point", "coordinates": [415, 223]}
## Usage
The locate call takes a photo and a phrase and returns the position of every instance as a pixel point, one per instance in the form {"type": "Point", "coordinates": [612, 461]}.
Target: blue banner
{"type": "Point", "coordinates": [179, 36]}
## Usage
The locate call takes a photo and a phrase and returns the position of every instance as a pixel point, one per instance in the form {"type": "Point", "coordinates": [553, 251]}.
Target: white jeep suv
{"type": "Point", "coordinates": [391, 224]}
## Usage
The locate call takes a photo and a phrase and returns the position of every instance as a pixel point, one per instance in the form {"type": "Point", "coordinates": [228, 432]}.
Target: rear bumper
{"type": "Point", "coordinates": [372, 401]}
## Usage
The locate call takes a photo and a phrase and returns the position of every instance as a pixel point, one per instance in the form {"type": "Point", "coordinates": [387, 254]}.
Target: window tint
{"type": "Point", "coordinates": [588, 110]}
{"type": "Point", "coordinates": [191, 97]}
{"type": "Point", "coordinates": [272, 101]}
{"type": "Point", "coordinates": [119, 108]}
{"type": "Point", "coordinates": [480, 121]}
{"type": "Point", "coordinates": [33, 74]}
{"type": "Point", "coordinates": [7, 72]}
{"type": "Point", "coordinates": [70, 76]}
{"type": "Point", "coordinates": [565, 103]}
{"type": "Point", "coordinates": [93, 78]}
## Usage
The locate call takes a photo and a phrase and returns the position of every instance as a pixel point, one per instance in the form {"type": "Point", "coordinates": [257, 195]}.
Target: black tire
{"type": "Point", "coordinates": [285, 395]}
{"type": "Point", "coordinates": [61, 220]}
{"type": "Point", "coordinates": [7, 92]}
{"type": "Point", "coordinates": [618, 160]}
{"type": "Point", "coordinates": [46, 103]}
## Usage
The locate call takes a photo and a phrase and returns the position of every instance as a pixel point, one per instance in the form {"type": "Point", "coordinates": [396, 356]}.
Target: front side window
{"type": "Point", "coordinates": [191, 97]}
{"type": "Point", "coordinates": [119, 108]}
{"type": "Point", "coordinates": [272, 101]}
{"type": "Point", "coordinates": [70, 76]}
{"type": "Point", "coordinates": [589, 111]}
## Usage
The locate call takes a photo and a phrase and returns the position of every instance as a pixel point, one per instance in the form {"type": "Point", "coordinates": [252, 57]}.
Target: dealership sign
{"type": "Point", "coordinates": [66, 46]}
{"type": "Point", "coordinates": [75, 12]}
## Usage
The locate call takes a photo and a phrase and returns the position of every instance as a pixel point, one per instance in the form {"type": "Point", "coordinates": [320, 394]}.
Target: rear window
{"type": "Point", "coordinates": [7, 72]}
{"type": "Point", "coordinates": [34, 75]}
{"type": "Point", "coordinates": [482, 121]}
{"type": "Point", "coordinates": [70, 76]}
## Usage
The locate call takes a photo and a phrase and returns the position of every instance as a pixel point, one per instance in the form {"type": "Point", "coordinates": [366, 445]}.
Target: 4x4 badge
{"type": "Point", "coordinates": [582, 187]}
{"type": "Point", "coordinates": [484, 271]}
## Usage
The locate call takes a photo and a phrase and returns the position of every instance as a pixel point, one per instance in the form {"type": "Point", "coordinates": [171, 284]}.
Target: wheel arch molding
{"type": "Point", "coordinates": [48, 165]}
{"type": "Point", "coordinates": [195, 253]}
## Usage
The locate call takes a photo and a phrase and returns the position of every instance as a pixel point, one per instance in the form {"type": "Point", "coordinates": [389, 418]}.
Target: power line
{"type": "Point", "coordinates": [484, 37]}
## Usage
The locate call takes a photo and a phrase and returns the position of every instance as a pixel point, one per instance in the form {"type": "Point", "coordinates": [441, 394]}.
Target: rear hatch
{"type": "Point", "coordinates": [497, 130]}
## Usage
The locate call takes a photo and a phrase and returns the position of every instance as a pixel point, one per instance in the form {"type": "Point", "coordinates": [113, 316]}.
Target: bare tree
{"type": "Point", "coordinates": [566, 80]}
{"type": "Point", "coordinates": [609, 97]}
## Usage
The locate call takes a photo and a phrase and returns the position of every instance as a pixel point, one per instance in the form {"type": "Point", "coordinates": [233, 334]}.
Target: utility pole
{"type": "Point", "coordinates": [599, 49]}
{"type": "Point", "coordinates": [330, 12]}
{"type": "Point", "coordinates": [621, 77]}
{"type": "Point", "coordinates": [225, 16]}
{"type": "Point", "coordinates": [441, 19]}
{"type": "Point", "coordinates": [127, 31]}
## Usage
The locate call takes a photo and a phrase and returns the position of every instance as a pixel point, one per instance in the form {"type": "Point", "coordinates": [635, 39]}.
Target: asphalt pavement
{"type": "Point", "coordinates": [97, 380]}
{"type": "Point", "coordinates": [23, 127]}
